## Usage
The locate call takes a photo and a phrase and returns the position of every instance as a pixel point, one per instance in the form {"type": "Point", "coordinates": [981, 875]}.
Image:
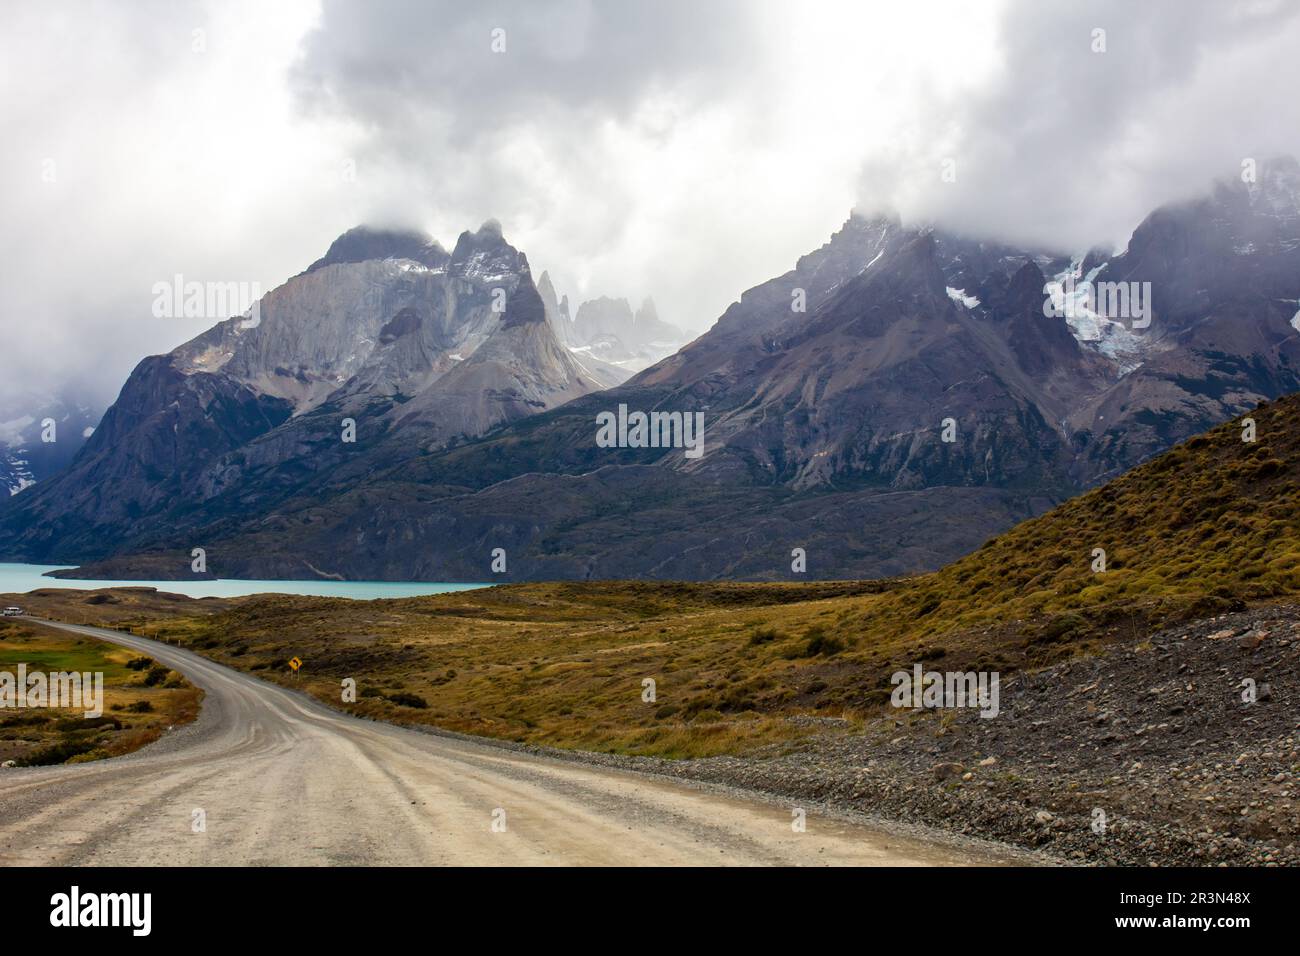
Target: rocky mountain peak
{"type": "Point", "coordinates": [1041, 343]}
{"type": "Point", "coordinates": [556, 312]}
{"type": "Point", "coordinates": [546, 289]}
{"type": "Point", "coordinates": [1026, 287]}
{"type": "Point", "coordinates": [852, 248]}
{"type": "Point", "coordinates": [647, 313]}
{"type": "Point", "coordinates": [1242, 240]}
{"type": "Point", "coordinates": [917, 261]}
{"type": "Point", "coordinates": [364, 243]}
{"type": "Point", "coordinates": [868, 223]}
{"type": "Point", "coordinates": [485, 255]}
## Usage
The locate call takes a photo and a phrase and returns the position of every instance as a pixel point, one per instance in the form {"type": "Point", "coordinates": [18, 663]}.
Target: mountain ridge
{"type": "Point", "coordinates": [895, 372]}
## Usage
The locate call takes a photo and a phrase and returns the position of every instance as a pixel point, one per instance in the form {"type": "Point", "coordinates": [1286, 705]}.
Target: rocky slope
{"type": "Point", "coordinates": [1144, 755]}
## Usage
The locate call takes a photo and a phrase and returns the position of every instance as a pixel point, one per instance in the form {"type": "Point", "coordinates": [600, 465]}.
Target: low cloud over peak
{"type": "Point", "coordinates": [678, 149]}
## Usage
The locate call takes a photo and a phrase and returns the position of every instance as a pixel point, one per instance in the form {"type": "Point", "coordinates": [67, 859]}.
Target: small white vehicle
{"type": "Point", "coordinates": [13, 611]}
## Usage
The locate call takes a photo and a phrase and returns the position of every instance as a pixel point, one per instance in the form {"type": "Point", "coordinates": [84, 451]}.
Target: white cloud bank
{"type": "Point", "coordinates": [684, 150]}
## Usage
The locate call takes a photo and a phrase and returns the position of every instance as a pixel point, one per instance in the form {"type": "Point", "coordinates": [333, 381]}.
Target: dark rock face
{"type": "Point", "coordinates": [1041, 343]}
{"type": "Point", "coordinates": [145, 457]}
{"type": "Point", "coordinates": [524, 308]}
{"type": "Point", "coordinates": [363, 243]}
{"type": "Point", "coordinates": [1223, 280]}
{"type": "Point", "coordinates": [403, 323]}
{"type": "Point", "coordinates": [897, 397]}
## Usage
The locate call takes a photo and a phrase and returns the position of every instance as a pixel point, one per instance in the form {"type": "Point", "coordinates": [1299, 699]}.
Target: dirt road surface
{"type": "Point", "coordinates": [281, 779]}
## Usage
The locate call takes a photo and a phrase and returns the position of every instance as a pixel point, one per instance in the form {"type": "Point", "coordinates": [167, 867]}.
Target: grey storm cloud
{"type": "Point", "coordinates": [464, 69]}
{"type": "Point", "coordinates": [686, 150]}
{"type": "Point", "coordinates": [1099, 112]}
{"type": "Point", "coordinates": [505, 110]}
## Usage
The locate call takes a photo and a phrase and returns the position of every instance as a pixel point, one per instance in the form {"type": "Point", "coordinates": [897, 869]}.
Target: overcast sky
{"type": "Point", "coordinates": [685, 150]}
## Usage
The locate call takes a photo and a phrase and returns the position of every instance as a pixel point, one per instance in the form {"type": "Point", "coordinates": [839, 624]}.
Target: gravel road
{"type": "Point", "coordinates": [283, 780]}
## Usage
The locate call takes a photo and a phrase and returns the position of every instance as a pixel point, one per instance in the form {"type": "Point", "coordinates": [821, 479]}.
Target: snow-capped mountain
{"type": "Point", "coordinates": [39, 436]}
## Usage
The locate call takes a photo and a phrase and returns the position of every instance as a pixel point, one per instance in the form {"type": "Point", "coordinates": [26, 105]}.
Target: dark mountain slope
{"type": "Point", "coordinates": [1223, 280]}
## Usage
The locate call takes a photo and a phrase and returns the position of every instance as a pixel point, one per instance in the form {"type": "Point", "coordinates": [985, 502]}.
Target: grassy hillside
{"type": "Point", "coordinates": [1204, 528]}
{"type": "Point", "coordinates": [1208, 527]}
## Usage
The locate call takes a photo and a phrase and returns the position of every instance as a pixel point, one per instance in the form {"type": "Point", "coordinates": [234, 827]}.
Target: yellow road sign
{"type": "Point", "coordinates": [295, 664]}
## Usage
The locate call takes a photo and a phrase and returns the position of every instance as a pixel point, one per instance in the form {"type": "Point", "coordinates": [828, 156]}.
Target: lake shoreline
{"type": "Point", "coordinates": [17, 579]}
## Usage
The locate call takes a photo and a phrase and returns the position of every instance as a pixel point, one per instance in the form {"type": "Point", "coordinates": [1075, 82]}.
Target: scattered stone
{"type": "Point", "coordinates": [1167, 802]}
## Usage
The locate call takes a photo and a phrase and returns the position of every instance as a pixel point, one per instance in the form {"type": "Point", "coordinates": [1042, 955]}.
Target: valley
{"type": "Point", "coordinates": [1157, 691]}
{"type": "Point", "coordinates": [635, 435]}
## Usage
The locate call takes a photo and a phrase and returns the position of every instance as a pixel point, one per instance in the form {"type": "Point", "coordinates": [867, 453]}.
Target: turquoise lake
{"type": "Point", "coordinates": [20, 578]}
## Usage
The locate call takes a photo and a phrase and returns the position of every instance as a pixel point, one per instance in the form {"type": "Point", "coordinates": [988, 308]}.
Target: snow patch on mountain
{"type": "Point", "coordinates": [961, 298]}
{"type": "Point", "coordinates": [15, 475]}
{"type": "Point", "coordinates": [410, 265]}
{"type": "Point", "coordinates": [1071, 294]}
{"type": "Point", "coordinates": [485, 268]}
